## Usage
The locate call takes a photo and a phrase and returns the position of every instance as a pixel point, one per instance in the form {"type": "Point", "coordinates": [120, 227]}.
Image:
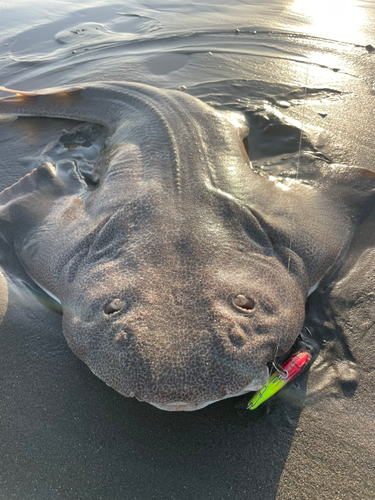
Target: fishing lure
{"type": "Point", "coordinates": [290, 369]}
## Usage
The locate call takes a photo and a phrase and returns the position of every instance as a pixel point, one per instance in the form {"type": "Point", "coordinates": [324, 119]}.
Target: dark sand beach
{"type": "Point", "coordinates": [64, 434]}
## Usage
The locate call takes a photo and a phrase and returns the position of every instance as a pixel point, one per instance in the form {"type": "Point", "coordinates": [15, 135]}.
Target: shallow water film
{"type": "Point", "coordinates": [302, 73]}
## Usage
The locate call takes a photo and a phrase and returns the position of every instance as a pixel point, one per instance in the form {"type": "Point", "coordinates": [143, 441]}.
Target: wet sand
{"type": "Point", "coordinates": [66, 435]}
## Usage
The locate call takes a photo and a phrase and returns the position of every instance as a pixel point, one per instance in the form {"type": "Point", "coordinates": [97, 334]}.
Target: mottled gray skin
{"type": "Point", "coordinates": [178, 226]}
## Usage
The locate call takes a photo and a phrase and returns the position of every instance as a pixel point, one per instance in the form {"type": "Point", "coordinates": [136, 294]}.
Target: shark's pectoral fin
{"type": "Point", "coordinates": [41, 176]}
{"type": "Point", "coordinates": [347, 197]}
{"type": "Point", "coordinates": [45, 180]}
{"type": "Point", "coordinates": [314, 220]}
{"type": "Point", "coordinates": [26, 204]}
{"type": "Point", "coordinates": [26, 211]}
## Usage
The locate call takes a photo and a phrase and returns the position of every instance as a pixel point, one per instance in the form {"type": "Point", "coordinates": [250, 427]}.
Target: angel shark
{"type": "Point", "coordinates": [183, 271]}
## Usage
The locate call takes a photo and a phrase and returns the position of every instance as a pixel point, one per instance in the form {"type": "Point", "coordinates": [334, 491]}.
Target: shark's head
{"type": "Point", "coordinates": [182, 313]}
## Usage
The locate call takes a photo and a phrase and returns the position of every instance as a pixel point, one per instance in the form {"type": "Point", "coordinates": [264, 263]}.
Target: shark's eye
{"type": "Point", "coordinates": [243, 303]}
{"type": "Point", "coordinates": [113, 306]}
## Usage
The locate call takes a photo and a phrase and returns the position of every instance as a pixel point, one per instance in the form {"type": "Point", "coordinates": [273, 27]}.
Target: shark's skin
{"type": "Point", "coordinates": [178, 227]}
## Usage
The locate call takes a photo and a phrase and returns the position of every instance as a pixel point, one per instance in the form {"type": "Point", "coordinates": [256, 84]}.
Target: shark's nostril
{"type": "Point", "coordinates": [243, 303]}
{"type": "Point", "coordinates": [113, 306]}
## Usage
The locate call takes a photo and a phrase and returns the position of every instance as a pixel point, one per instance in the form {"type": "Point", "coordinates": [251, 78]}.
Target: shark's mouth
{"type": "Point", "coordinates": [255, 385]}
